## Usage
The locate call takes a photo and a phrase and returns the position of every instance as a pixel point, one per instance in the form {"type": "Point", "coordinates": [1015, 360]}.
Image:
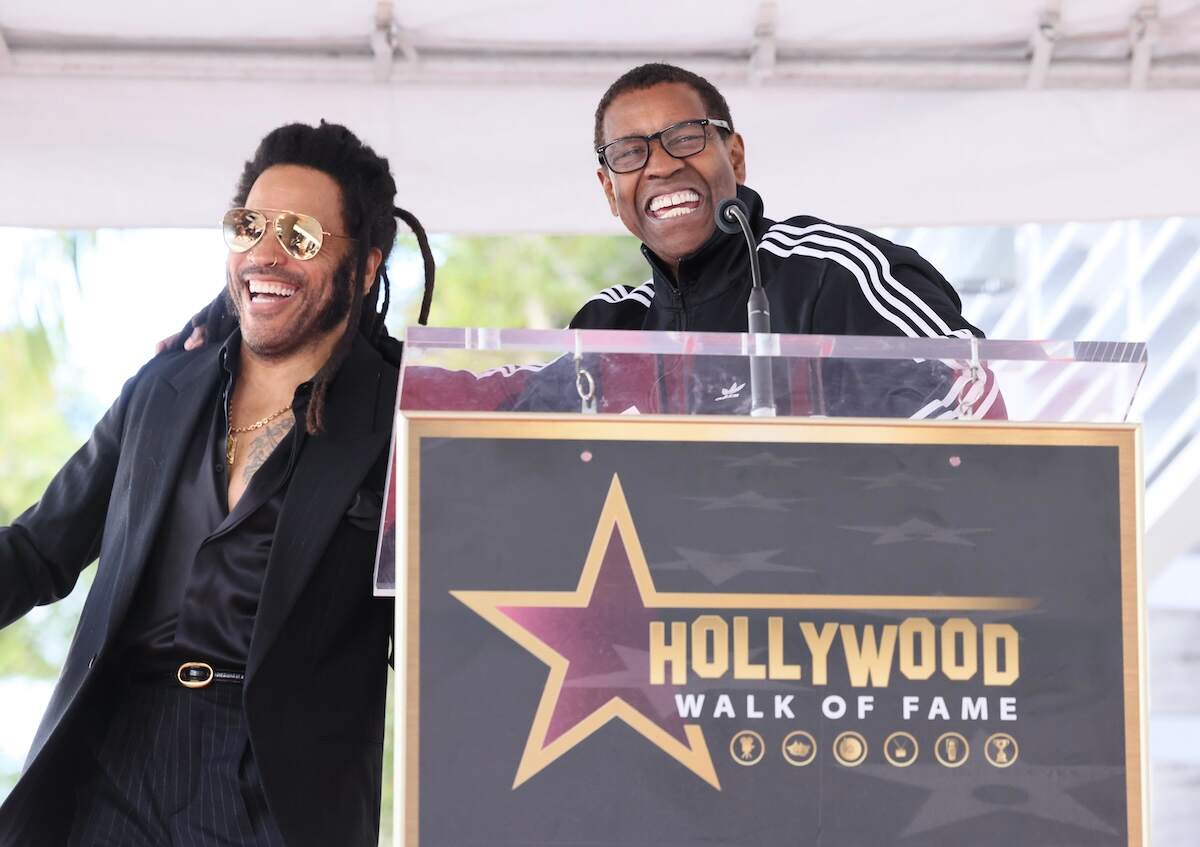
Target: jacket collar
{"type": "Point", "coordinates": [358, 424]}
{"type": "Point", "coordinates": [352, 407]}
{"type": "Point", "coordinates": [358, 375]}
{"type": "Point", "coordinates": [720, 262]}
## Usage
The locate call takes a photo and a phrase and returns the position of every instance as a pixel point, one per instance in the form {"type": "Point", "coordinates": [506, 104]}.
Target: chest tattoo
{"type": "Point", "coordinates": [265, 441]}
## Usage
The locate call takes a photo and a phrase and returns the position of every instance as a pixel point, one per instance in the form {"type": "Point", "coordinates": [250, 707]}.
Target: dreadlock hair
{"type": "Point", "coordinates": [369, 215]}
{"type": "Point", "coordinates": [656, 73]}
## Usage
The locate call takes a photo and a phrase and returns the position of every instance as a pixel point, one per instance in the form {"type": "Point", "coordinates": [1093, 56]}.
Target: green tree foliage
{"type": "Point", "coordinates": [521, 281]}
{"type": "Point", "coordinates": [518, 281]}
{"type": "Point", "coordinates": [533, 281]}
{"type": "Point", "coordinates": [34, 442]}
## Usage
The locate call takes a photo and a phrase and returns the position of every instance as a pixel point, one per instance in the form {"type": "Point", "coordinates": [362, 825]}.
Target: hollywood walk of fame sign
{"type": "Point", "coordinates": [679, 631]}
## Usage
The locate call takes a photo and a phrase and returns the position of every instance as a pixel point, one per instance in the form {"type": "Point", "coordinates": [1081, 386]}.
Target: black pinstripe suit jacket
{"type": "Point", "coordinates": [317, 669]}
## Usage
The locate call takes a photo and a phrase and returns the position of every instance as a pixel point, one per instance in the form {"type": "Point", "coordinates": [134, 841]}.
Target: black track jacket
{"type": "Point", "coordinates": [820, 278]}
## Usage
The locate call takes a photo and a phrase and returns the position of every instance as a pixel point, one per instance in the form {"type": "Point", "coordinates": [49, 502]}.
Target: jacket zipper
{"type": "Point", "coordinates": [677, 296]}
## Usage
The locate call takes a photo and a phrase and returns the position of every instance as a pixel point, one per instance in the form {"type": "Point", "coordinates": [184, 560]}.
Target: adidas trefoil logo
{"type": "Point", "coordinates": [732, 392]}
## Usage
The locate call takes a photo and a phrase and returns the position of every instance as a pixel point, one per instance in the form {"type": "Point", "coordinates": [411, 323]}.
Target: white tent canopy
{"type": "Point", "coordinates": [139, 114]}
{"type": "Point", "coordinates": [136, 113]}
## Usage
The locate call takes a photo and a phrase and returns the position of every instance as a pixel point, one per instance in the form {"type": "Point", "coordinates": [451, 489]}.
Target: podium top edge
{"type": "Point", "coordinates": [635, 342]}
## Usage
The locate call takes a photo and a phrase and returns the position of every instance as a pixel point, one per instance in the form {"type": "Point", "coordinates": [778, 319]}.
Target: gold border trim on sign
{"type": "Point", "coordinates": [1124, 438]}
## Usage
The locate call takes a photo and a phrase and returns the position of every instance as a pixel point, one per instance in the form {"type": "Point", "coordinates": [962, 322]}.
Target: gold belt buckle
{"type": "Point", "coordinates": [194, 683]}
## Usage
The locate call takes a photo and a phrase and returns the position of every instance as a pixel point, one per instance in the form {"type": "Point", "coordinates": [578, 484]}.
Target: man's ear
{"type": "Point", "coordinates": [374, 257]}
{"type": "Point", "coordinates": [609, 191]}
{"type": "Point", "coordinates": [737, 157]}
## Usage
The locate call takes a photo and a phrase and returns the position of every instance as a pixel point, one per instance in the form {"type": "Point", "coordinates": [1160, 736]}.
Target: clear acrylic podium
{"type": "Point", "coordinates": [836, 376]}
{"type": "Point", "coordinates": [636, 606]}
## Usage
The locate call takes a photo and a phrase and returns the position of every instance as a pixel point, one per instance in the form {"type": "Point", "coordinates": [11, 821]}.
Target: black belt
{"type": "Point", "coordinates": [202, 674]}
{"type": "Point", "coordinates": [165, 670]}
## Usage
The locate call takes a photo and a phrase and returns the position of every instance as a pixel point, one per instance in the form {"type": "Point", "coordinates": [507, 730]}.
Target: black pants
{"type": "Point", "coordinates": [172, 767]}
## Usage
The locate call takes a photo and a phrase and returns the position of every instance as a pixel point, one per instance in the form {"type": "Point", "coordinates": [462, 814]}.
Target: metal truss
{"type": "Point", "coordinates": [1140, 55]}
{"type": "Point", "coordinates": [1136, 280]}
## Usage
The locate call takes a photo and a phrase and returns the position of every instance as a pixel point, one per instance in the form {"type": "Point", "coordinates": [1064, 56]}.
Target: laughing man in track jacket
{"type": "Point", "coordinates": [668, 156]}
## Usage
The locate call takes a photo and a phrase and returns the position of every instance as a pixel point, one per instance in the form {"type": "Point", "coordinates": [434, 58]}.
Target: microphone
{"type": "Point", "coordinates": [732, 216]}
{"type": "Point", "coordinates": [726, 219]}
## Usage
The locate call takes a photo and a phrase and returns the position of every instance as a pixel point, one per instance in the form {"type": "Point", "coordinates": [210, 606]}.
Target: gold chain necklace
{"type": "Point", "coordinates": [234, 431]}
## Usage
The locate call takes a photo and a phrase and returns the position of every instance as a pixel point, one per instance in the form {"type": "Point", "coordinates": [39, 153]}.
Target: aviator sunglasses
{"type": "Point", "coordinates": [301, 236]}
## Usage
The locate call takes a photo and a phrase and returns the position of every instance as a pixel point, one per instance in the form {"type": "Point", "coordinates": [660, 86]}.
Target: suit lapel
{"type": "Point", "coordinates": [171, 413]}
{"type": "Point", "coordinates": [328, 474]}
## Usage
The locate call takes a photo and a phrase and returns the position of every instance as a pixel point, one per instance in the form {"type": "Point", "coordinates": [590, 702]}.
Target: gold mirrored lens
{"type": "Point", "coordinates": [243, 228]}
{"type": "Point", "coordinates": [300, 235]}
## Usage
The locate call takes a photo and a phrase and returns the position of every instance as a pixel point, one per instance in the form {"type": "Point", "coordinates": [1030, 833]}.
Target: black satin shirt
{"type": "Point", "coordinates": [199, 592]}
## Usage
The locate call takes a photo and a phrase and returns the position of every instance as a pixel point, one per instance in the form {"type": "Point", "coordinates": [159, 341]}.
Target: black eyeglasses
{"type": "Point", "coordinates": [686, 138]}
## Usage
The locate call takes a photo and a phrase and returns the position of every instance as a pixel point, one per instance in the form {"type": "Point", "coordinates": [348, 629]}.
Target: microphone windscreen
{"type": "Point", "coordinates": [726, 222]}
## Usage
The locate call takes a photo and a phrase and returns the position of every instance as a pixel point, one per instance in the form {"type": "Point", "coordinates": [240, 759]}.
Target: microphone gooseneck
{"type": "Point", "coordinates": [732, 216]}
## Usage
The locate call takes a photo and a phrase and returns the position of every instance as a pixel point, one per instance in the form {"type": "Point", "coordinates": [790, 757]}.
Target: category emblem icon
{"type": "Point", "coordinates": [951, 749]}
{"type": "Point", "coordinates": [799, 748]}
{"type": "Point", "coordinates": [1001, 749]}
{"type": "Point", "coordinates": [850, 749]}
{"type": "Point", "coordinates": [746, 748]}
{"type": "Point", "coordinates": [900, 749]}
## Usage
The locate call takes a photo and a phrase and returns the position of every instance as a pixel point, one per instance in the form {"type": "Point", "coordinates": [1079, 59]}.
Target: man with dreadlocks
{"type": "Point", "coordinates": [226, 683]}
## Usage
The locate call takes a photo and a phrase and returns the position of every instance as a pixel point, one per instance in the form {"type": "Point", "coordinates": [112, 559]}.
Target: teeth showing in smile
{"type": "Point", "coordinates": [275, 289]}
{"type": "Point", "coordinates": [673, 205]}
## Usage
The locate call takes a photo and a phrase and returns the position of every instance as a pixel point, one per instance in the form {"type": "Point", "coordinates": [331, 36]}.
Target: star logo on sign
{"type": "Point", "coordinates": [915, 529]}
{"type": "Point", "coordinates": [895, 480]}
{"type": "Point", "coordinates": [580, 635]}
{"type": "Point", "coordinates": [964, 794]}
{"type": "Point", "coordinates": [747, 500]}
{"type": "Point", "coordinates": [599, 627]}
{"type": "Point", "coordinates": [767, 460]}
{"type": "Point", "coordinates": [719, 568]}
{"type": "Point", "coordinates": [636, 675]}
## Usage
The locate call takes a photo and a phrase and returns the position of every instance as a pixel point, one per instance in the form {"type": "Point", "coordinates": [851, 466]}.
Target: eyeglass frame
{"type": "Point", "coordinates": [273, 225]}
{"type": "Point", "coordinates": [718, 123]}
